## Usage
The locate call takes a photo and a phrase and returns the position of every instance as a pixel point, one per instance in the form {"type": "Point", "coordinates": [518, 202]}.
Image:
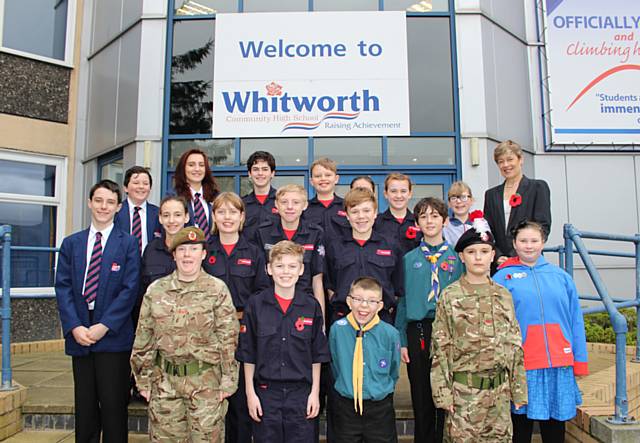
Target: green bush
{"type": "Point", "coordinates": [599, 330]}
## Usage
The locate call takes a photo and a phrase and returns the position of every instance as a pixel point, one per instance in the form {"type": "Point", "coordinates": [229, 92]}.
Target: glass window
{"type": "Point", "coordinates": [192, 77]}
{"type": "Point", "coordinates": [27, 178]}
{"type": "Point", "coordinates": [112, 169]}
{"type": "Point", "coordinates": [417, 5]}
{"type": "Point", "coordinates": [221, 152]}
{"type": "Point", "coordinates": [32, 225]}
{"type": "Point", "coordinates": [226, 184]}
{"type": "Point", "coordinates": [286, 151]}
{"type": "Point", "coordinates": [422, 191]}
{"type": "Point", "coordinates": [345, 5]}
{"type": "Point", "coordinates": [204, 7]}
{"type": "Point", "coordinates": [430, 81]}
{"type": "Point", "coordinates": [349, 150]}
{"type": "Point", "coordinates": [279, 180]}
{"type": "Point", "coordinates": [35, 26]}
{"type": "Point", "coordinates": [419, 151]}
{"type": "Point", "coordinates": [275, 5]}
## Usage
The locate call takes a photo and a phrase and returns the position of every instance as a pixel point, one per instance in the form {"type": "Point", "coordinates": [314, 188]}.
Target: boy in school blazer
{"type": "Point", "coordinates": [96, 287]}
{"type": "Point", "coordinates": [137, 185]}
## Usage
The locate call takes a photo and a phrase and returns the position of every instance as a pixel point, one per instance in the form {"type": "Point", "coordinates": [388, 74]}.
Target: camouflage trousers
{"type": "Point", "coordinates": [187, 409]}
{"type": "Point", "coordinates": [479, 415]}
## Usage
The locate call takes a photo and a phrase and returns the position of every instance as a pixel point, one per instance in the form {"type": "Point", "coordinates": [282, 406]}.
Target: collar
{"type": "Point", "coordinates": [387, 215]}
{"type": "Point", "coordinates": [193, 192]}
{"type": "Point", "coordinates": [158, 244]}
{"type": "Point", "coordinates": [216, 245]}
{"type": "Point", "coordinates": [453, 220]}
{"type": "Point", "coordinates": [106, 232]}
{"type": "Point", "coordinates": [432, 248]}
{"type": "Point", "coordinates": [299, 298]}
{"type": "Point", "coordinates": [132, 205]}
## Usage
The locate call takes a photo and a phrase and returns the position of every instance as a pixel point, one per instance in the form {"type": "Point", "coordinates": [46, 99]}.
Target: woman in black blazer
{"type": "Point", "coordinates": [518, 198]}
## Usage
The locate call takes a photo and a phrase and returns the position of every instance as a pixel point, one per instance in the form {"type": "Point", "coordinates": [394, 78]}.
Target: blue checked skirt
{"type": "Point", "coordinates": [553, 393]}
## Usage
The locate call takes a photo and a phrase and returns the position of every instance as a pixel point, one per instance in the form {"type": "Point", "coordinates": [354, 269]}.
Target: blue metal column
{"type": "Point", "coordinates": [5, 234]}
{"type": "Point", "coordinates": [636, 359]}
{"type": "Point", "coordinates": [568, 249]}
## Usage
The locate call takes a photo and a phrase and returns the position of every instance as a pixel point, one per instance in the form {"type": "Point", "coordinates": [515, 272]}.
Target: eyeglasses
{"type": "Point", "coordinates": [463, 198]}
{"type": "Point", "coordinates": [364, 301]}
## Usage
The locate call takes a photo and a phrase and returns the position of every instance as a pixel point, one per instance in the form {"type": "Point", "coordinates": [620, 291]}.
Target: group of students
{"type": "Point", "coordinates": [265, 306]}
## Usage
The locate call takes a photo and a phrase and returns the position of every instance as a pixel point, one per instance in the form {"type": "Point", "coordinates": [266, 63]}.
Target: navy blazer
{"type": "Point", "coordinates": [122, 220]}
{"type": "Point", "coordinates": [535, 206]}
{"type": "Point", "coordinates": [117, 291]}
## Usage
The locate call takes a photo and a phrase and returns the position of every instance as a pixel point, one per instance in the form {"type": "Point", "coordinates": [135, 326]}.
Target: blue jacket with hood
{"type": "Point", "coordinates": [548, 310]}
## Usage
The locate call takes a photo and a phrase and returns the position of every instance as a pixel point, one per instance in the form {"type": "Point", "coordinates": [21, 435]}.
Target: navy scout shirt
{"type": "Point", "coordinates": [408, 235]}
{"type": "Point", "coordinates": [379, 258]}
{"type": "Point", "coordinates": [283, 346]}
{"type": "Point", "coordinates": [157, 262]}
{"type": "Point", "coordinates": [316, 211]}
{"type": "Point", "coordinates": [243, 271]}
{"type": "Point", "coordinates": [256, 212]}
{"type": "Point", "coordinates": [309, 236]}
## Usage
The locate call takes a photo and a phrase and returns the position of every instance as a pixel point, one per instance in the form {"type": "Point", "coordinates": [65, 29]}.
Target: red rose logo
{"type": "Point", "coordinates": [515, 200]}
{"type": "Point", "coordinates": [273, 89]}
{"type": "Point", "coordinates": [475, 214]}
{"type": "Point", "coordinates": [411, 233]}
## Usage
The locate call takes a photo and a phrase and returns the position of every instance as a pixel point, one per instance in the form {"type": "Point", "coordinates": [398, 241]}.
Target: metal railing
{"type": "Point", "coordinates": [573, 238]}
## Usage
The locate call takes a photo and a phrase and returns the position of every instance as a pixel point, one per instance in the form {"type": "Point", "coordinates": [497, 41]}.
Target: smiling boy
{"type": "Point", "coordinates": [365, 363]}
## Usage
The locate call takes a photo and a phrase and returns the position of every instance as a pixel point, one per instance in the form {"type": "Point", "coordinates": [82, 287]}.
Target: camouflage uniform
{"type": "Point", "coordinates": [183, 322]}
{"type": "Point", "coordinates": [476, 337]}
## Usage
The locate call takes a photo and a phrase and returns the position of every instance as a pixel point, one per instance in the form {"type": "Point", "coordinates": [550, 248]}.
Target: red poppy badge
{"type": "Point", "coordinates": [515, 200]}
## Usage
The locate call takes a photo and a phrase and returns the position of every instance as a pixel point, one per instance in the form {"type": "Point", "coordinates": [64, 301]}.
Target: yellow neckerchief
{"type": "Point", "coordinates": [358, 358]}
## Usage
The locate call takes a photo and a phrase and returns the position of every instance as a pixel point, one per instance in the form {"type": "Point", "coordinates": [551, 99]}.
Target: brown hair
{"type": "Point", "coordinates": [359, 195]}
{"type": "Point", "coordinates": [175, 198]}
{"type": "Point", "coordinates": [209, 185]}
{"type": "Point", "coordinates": [286, 247]}
{"type": "Point", "coordinates": [367, 284]}
{"type": "Point", "coordinates": [528, 224]}
{"type": "Point", "coordinates": [507, 147]}
{"type": "Point", "coordinates": [398, 177]}
{"type": "Point", "coordinates": [109, 185]}
{"type": "Point", "coordinates": [457, 188]}
{"type": "Point", "coordinates": [227, 197]}
{"type": "Point", "coordinates": [325, 162]}
{"type": "Point", "coordinates": [430, 202]}
{"type": "Point", "coordinates": [366, 178]}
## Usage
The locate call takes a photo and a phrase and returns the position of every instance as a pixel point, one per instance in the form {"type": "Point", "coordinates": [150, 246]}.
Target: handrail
{"type": "Point", "coordinates": [5, 234]}
{"type": "Point", "coordinates": [574, 238]}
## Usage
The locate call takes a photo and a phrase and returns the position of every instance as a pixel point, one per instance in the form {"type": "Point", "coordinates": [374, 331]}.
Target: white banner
{"type": "Point", "coordinates": [594, 71]}
{"type": "Point", "coordinates": [310, 74]}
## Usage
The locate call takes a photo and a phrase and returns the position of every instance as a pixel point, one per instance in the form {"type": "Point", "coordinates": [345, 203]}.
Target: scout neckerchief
{"type": "Point", "coordinates": [433, 259]}
{"type": "Point", "coordinates": [358, 358]}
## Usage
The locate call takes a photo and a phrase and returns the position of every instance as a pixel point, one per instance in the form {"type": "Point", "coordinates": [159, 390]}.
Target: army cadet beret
{"type": "Point", "coordinates": [480, 233]}
{"type": "Point", "coordinates": [190, 235]}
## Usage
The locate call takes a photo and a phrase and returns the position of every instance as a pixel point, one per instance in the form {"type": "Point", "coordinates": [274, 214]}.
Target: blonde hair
{"type": "Point", "coordinates": [457, 188]}
{"type": "Point", "coordinates": [286, 247]}
{"type": "Point", "coordinates": [507, 147]}
{"type": "Point", "coordinates": [326, 163]}
{"type": "Point", "coordinates": [398, 177]}
{"type": "Point", "coordinates": [291, 187]}
{"type": "Point", "coordinates": [367, 284]}
{"type": "Point", "coordinates": [227, 197]}
{"type": "Point", "coordinates": [357, 196]}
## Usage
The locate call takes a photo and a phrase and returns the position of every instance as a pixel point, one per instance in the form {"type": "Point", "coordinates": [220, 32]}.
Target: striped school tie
{"type": "Point", "coordinates": [93, 273]}
{"type": "Point", "coordinates": [201, 218]}
{"type": "Point", "coordinates": [136, 227]}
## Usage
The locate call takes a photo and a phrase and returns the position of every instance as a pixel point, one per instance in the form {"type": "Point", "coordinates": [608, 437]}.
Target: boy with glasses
{"type": "Point", "coordinates": [460, 201]}
{"type": "Point", "coordinates": [365, 362]}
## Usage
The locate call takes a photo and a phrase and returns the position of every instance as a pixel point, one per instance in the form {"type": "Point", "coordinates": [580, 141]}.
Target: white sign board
{"type": "Point", "coordinates": [593, 49]}
{"type": "Point", "coordinates": [310, 74]}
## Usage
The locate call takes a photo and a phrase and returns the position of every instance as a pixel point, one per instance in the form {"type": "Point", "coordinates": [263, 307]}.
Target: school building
{"type": "Point", "coordinates": [124, 82]}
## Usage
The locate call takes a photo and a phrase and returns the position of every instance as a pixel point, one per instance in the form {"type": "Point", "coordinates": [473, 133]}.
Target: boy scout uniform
{"type": "Point", "coordinates": [183, 354]}
{"type": "Point", "coordinates": [478, 364]}
{"type": "Point", "coordinates": [283, 347]}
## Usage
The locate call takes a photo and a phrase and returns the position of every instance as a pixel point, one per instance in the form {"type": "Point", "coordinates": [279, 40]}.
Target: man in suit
{"type": "Point", "coordinates": [137, 216]}
{"type": "Point", "coordinates": [96, 287]}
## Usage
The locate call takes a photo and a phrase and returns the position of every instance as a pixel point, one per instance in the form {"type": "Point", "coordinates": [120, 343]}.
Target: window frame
{"type": "Point", "coordinates": [58, 200]}
{"type": "Point", "coordinates": [69, 44]}
{"type": "Point", "coordinates": [454, 171]}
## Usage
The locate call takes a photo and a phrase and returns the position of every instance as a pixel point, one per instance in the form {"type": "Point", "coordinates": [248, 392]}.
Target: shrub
{"type": "Point", "coordinates": [599, 330]}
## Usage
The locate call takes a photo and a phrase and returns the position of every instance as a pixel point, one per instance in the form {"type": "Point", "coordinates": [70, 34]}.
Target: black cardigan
{"type": "Point", "coordinates": [535, 206]}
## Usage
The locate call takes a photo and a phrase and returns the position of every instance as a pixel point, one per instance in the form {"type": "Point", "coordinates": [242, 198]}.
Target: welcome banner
{"type": "Point", "coordinates": [310, 74]}
{"type": "Point", "coordinates": [593, 49]}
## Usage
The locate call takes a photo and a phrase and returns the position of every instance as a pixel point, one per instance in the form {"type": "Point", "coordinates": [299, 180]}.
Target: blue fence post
{"type": "Point", "coordinates": [568, 249]}
{"type": "Point", "coordinates": [636, 359]}
{"type": "Point", "coordinates": [5, 233]}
